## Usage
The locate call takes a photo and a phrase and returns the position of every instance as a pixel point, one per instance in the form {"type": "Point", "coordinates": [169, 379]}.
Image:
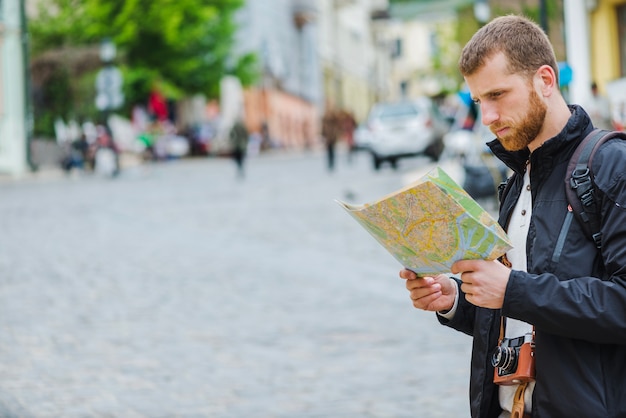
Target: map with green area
{"type": "Point", "coordinates": [430, 224]}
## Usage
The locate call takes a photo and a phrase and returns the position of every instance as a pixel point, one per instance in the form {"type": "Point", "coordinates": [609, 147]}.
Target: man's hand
{"type": "Point", "coordinates": [430, 293]}
{"type": "Point", "coordinates": [484, 282]}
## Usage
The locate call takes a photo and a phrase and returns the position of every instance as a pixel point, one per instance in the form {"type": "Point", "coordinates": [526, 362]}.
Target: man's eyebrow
{"type": "Point", "coordinates": [491, 92]}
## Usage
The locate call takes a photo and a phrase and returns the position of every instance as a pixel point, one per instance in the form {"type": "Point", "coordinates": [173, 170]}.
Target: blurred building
{"type": "Point", "coordinates": [424, 48]}
{"type": "Point", "coordinates": [607, 53]}
{"type": "Point", "coordinates": [286, 101]}
{"type": "Point", "coordinates": [607, 39]}
{"type": "Point", "coordinates": [590, 36]}
{"type": "Point", "coordinates": [355, 54]}
{"type": "Point", "coordinates": [314, 55]}
{"type": "Point", "coordinates": [14, 155]}
{"type": "Point", "coordinates": [350, 54]}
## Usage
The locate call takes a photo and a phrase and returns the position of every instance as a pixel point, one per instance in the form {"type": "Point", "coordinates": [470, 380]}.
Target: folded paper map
{"type": "Point", "coordinates": [430, 224]}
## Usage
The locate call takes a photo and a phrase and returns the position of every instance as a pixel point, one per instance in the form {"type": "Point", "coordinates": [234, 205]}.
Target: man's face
{"type": "Point", "coordinates": [509, 103]}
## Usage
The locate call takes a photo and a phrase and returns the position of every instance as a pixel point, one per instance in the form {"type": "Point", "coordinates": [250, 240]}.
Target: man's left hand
{"type": "Point", "coordinates": [484, 282]}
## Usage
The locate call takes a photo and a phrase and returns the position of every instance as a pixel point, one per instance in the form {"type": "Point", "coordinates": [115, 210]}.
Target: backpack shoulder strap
{"type": "Point", "coordinates": [579, 185]}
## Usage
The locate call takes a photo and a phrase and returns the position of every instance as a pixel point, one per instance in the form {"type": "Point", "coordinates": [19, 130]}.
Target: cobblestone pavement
{"type": "Point", "coordinates": [176, 290]}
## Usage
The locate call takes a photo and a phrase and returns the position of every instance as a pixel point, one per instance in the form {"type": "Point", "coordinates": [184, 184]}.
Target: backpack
{"type": "Point", "coordinates": [579, 185]}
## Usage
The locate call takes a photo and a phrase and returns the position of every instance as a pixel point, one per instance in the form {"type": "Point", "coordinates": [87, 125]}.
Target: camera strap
{"type": "Point", "coordinates": [517, 411]}
{"type": "Point", "coordinates": [502, 328]}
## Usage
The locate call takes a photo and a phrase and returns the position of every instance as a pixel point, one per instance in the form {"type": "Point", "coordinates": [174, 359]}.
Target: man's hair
{"type": "Point", "coordinates": [523, 42]}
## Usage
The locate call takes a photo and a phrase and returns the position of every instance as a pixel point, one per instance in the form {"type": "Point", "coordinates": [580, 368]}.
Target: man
{"type": "Point", "coordinates": [573, 294]}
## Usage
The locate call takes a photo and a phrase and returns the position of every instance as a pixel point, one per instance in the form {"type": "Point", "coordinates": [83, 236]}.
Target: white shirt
{"type": "Point", "coordinates": [518, 232]}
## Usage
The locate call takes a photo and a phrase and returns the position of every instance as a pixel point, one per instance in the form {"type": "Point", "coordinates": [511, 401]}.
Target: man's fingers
{"type": "Point", "coordinates": [419, 282]}
{"type": "Point", "coordinates": [463, 265]}
{"type": "Point", "coordinates": [423, 297]}
{"type": "Point", "coordinates": [467, 287]}
{"type": "Point", "coordinates": [421, 291]}
{"type": "Point", "coordinates": [408, 274]}
{"type": "Point", "coordinates": [425, 301]}
{"type": "Point", "coordinates": [466, 277]}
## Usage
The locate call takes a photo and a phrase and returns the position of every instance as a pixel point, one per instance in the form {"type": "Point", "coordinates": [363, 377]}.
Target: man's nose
{"type": "Point", "coordinates": [489, 114]}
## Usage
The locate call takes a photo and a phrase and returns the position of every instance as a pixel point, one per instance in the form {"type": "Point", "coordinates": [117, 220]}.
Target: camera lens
{"type": "Point", "coordinates": [504, 358]}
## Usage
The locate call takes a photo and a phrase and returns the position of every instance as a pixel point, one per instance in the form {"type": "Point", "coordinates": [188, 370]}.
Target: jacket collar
{"type": "Point", "coordinates": [556, 148]}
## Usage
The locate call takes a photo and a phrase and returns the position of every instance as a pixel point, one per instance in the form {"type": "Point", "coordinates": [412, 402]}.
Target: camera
{"type": "Point", "coordinates": [514, 360]}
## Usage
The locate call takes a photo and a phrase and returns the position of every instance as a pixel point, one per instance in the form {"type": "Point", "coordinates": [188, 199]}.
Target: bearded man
{"type": "Point", "coordinates": [554, 289]}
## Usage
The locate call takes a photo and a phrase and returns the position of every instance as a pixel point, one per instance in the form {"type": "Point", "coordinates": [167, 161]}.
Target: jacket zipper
{"type": "Point", "coordinates": [560, 243]}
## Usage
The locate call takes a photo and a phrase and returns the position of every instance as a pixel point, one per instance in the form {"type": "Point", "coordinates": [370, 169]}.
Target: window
{"type": "Point", "coordinates": [396, 48]}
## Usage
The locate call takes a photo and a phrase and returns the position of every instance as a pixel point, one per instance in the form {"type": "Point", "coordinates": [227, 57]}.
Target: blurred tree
{"type": "Point", "coordinates": [184, 45]}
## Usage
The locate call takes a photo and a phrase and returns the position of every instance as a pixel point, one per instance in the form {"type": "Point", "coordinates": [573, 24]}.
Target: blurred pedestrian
{"type": "Point", "coordinates": [619, 116]}
{"type": "Point", "coordinates": [157, 105]}
{"type": "Point", "coordinates": [106, 153]}
{"type": "Point", "coordinates": [239, 145]}
{"type": "Point", "coordinates": [599, 109]}
{"type": "Point", "coordinates": [266, 141]}
{"type": "Point", "coordinates": [331, 128]}
{"type": "Point", "coordinates": [348, 125]}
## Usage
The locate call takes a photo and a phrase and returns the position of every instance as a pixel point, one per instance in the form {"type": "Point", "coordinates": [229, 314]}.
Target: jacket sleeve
{"type": "Point", "coordinates": [463, 319]}
{"type": "Point", "coordinates": [587, 308]}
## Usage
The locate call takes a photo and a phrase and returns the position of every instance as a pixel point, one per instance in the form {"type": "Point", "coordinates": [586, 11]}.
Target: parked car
{"type": "Point", "coordinates": [362, 138]}
{"type": "Point", "coordinates": [405, 129]}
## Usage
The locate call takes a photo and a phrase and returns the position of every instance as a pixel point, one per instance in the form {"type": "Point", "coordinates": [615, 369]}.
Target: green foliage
{"type": "Point", "coordinates": [84, 97]}
{"type": "Point", "coordinates": [51, 102]}
{"type": "Point", "coordinates": [445, 58]}
{"type": "Point", "coordinates": [467, 25]}
{"type": "Point", "coordinates": [531, 9]}
{"type": "Point", "coordinates": [139, 81]}
{"type": "Point", "coordinates": [247, 68]}
{"type": "Point", "coordinates": [183, 45]}
{"type": "Point", "coordinates": [59, 23]}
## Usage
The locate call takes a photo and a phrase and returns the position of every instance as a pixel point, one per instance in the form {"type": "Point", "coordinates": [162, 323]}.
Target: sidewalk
{"type": "Point", "coordinates": [42, 172]}
{"type": "Point", "coordinates": [46, 156]}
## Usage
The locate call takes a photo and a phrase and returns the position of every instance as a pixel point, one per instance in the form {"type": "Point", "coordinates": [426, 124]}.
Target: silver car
{"type": "Point", "coordinates": [405, 129]}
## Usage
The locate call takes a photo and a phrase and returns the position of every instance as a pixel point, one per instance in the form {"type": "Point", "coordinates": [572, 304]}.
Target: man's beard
{"type": "Point", "coordinates": [523, 133]}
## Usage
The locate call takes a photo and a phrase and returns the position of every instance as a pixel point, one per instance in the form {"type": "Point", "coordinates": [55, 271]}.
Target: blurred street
{"type": "Point", "coordinates": [179, 290]}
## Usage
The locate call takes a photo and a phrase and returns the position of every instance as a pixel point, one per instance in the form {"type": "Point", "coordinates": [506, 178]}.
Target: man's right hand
{"type": "Point", "coordinates": [430, 293]}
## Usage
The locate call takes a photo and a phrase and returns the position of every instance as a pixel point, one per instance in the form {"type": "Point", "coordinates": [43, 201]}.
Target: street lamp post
{"type": "Point", "coordinates": [28, 103]}
{"type": "Point", "coordinates": [109, 97]}
{"type": "Point", "coordinates": [109, 94]}
{"type": "Point", "coordinates": [543, 15]}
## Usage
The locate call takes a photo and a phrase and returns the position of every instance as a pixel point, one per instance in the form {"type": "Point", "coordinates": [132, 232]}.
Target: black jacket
{"type": "Point", "coordinates": [576, 299]}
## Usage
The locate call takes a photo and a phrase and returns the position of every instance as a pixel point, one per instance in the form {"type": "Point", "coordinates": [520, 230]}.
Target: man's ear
{"type": "Point", "coordinates": [547, 80]}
